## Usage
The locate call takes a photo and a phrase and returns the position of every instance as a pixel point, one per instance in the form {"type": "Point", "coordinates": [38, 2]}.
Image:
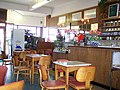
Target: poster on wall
{"type": "Point", "coordinates": [18, 39]}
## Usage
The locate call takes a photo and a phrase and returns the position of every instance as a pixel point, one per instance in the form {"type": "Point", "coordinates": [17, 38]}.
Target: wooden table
{"type": "Point", "coordinates": [33, 58]}
{"type": "Point", "coordinates": [68, 67]}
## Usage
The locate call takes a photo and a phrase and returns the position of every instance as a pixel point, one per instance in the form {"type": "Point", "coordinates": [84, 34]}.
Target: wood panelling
{"type": "Point", "coordinates": [57, 55]}
{"type": "Point", "coordinates": [3, 15]}
{"type": "Point", "coordinates": [42, 47]}
{"type": "Point", "coordinates": [53, 21]}
{"type": "Point", "coordinates": [99, 57]}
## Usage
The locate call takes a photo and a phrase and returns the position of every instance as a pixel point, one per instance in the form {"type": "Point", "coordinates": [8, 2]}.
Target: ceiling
{"type": "Point", "coordinates": [28, 3]}
{"type": "Point", "coordinates": [24, 6]}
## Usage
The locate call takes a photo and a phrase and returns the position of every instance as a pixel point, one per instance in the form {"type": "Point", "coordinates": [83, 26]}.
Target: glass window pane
{"type": "Point", "coordinates": [38, 31]}
{"type": "Point", "coordinates": [52, 34]}
{"type": "Point", "coordinates": [45, 34]}
{"type": "Point", "coordinates": [9, 28]}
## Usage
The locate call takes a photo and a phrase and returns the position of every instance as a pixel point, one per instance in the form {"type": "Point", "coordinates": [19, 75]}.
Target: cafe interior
{"type": "Point", "coordinates": [60, 45]}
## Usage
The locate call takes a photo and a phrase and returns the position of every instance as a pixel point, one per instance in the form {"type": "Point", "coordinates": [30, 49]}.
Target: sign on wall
{"type": "Point", "coordinates": [77, 16]}
{"type": "Point", "coordinates": [62, 19]}
{"type": "Point", "coordinates": [90, 14]}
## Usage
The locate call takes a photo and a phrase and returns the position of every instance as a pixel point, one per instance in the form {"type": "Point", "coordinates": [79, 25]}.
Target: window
{"type": "Point", "coordinates": [49, 34]}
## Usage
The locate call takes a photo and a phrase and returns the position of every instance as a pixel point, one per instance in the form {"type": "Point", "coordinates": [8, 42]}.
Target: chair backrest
{"type": "Point", "coordinates": [44, 63]}
{"type": "Point", "coordinates": [45, 60]}
{"type": "Point", "coordinates": [13, 86]}
{"type": "Point", "coordinates": [3, 73]}
{"type": "Point", "coordinates": [4, 56]}
{"type": "Point", "coordinates": [15, 60]}
{"type": "Point", "coordinates": [86, 74]}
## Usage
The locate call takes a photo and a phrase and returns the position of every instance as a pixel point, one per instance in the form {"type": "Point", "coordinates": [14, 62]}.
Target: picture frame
{"type": "Point", "coordinates": [113, 10]}
{"type": "Point", "coordinates": [89, 14]}
{"type": "Point", "coordinates": [77, 16]}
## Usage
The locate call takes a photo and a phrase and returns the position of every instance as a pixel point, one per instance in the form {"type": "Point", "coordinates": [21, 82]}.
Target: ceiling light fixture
{"type": "Point", "coordinates": [40, 4]}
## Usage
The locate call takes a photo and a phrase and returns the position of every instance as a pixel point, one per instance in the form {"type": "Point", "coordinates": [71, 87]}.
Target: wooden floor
{"type": "Point", "coordinates": [36, 86]}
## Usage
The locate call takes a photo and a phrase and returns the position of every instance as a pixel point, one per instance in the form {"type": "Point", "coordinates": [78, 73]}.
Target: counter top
{"type": "Point", "coordinates": [58, 51]}
{"type": "Point", "coordinates": [107, 47]}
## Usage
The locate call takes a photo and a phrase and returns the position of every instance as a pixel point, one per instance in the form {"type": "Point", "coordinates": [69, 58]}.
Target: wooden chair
{"type": "Point", "coordinates": [21, 67]}
{"type": "Point", "coordinates": [13, 86]}
{"type": "Point", "coordinates": [5, 60]}
{"type": "Point", "coordinates": [3, 72]}
{"type": "Point", "coordinates": [45, 81]}
{"type": "Point", "coordinates": [83, 76]}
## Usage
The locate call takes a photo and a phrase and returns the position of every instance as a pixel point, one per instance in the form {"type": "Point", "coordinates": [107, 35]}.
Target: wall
{"type": "Point", "coordinates": [75, 5]}
{"type": "Point", "coordinates": [19, 19]}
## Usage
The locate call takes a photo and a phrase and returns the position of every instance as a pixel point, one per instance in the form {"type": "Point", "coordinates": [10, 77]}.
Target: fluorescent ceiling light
{"type": "Point", "coordinates": [40, 4]}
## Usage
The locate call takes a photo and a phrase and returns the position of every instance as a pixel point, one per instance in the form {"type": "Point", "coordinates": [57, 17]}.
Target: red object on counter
{"type": "Point", "coordinates": [80, 37]}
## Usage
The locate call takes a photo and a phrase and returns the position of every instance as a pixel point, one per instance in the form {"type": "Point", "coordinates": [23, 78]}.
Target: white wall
{"type": "Point", "coordinates": [75, 5]}
{"type": "Point", "coordinates": [19, 19]}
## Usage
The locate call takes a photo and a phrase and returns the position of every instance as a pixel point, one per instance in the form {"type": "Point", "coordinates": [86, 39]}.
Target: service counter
{"type": "Point", "coordinates": [101, 57]}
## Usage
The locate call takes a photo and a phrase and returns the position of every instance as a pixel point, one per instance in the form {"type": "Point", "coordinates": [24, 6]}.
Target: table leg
{"type": "Point", "coordinates": [32, 71]}
{"type": "Point", "coordinates": [56, 72]}
{"type": "Point", "coordinates": [67, 78]}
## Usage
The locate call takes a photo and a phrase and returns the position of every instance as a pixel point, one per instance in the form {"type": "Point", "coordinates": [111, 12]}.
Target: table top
{"type": "Point", "coordinates": [71, 63]}
{"type": "Point", "coordinates": [20, 51]}
{"type": "Point", "coordinates": [35, 55]}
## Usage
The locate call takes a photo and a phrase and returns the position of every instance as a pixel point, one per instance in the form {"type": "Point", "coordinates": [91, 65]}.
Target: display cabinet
{"type": "Point", "coordinates": [111, 28]}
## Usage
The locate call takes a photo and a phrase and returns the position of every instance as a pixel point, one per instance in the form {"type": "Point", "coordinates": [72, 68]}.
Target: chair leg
{"type": "Point", "coordinates": [2, 63]}
{"type": "Point", "coordinates": [13, 75]}
{"type": "Point", "coordinates": [5, 64]}
{"type": "Point", "coordinates": [61, 74]}
{"type": "Point", "coordinates": [42, 88]}
{"type": "Point", "coordinates": [17, 75]}
{"type": "Point", "coordinates": [65, 88]}
{"type": "Point", "coordinates": [30, 77]}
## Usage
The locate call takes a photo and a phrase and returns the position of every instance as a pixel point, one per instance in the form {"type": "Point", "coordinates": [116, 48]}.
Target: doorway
{"type": "Point", "coordinates": [1, 39]}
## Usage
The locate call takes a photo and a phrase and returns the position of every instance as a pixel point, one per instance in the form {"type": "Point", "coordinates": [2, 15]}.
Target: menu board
{"type": "Point", "coordinates": [113, 10]}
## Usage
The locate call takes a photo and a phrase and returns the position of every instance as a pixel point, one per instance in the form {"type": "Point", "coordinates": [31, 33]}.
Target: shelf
{"type": "Point", "coordinates": [111, 19]}
{"type": "Point", "coordinates": [109, 35]}
{"type": "Point", "coordinates": [118, 26]}
{"type": "Point", "coordinates": [109, 31]}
